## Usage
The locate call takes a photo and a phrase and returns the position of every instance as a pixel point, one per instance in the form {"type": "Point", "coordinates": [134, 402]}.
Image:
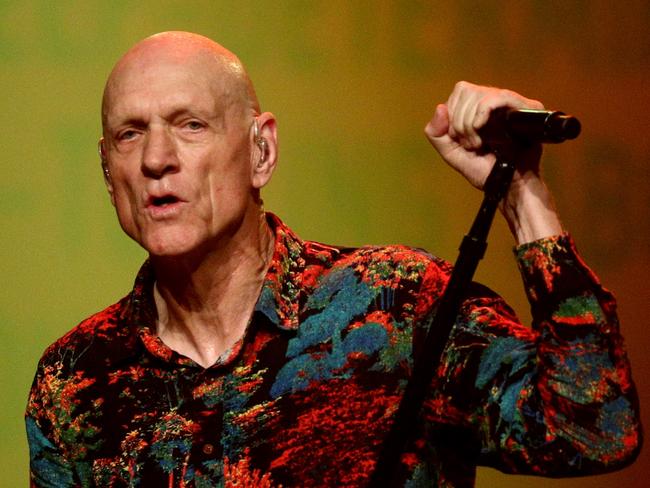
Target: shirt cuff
{"type": "Point", "coordinates": [552, 269]}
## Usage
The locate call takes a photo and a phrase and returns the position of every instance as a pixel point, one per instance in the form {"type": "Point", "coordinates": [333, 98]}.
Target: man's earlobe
{"type": "Point", "coordinates": [108, 181]}
{"type": "Point", "coordinates": [106, 172]}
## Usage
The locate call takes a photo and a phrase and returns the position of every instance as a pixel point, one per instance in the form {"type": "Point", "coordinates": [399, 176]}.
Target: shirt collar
{"type": "Point", "coordinates": [281, 293]}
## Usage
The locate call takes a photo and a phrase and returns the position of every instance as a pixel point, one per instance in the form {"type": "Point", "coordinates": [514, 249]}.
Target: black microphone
{"type": "Point", "coordinates": [529, 126]}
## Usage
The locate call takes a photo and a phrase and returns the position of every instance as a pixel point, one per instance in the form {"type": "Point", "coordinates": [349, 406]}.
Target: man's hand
{"type": "Point", "coordinates": [454, 132]}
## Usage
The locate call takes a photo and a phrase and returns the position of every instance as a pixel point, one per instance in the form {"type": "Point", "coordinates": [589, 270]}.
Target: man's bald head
{"type": "Point", "coordinates": [226, 72]}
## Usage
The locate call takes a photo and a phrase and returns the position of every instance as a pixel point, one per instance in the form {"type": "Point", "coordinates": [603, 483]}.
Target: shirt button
{"type": "Point", "coordinates": [208, 449]}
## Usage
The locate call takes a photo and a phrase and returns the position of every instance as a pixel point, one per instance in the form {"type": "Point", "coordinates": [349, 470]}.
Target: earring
{"type": "Point", "coordinates": [260, 141]}
{"type": "Point", "coordinates": [262, 146]}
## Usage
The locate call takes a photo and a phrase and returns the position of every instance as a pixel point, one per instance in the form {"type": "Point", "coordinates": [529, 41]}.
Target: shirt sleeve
{"type": "Point", "coordinates": [554, 400]}
{"type": "Point", "coordinates": [48, 465]}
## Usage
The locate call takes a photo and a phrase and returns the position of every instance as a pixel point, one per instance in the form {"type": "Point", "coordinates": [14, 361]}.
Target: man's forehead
{"type": "Point", "coordinates": [148, 65]}
{"type": "Point", "coordinates": [191, 60]}
{"type": "Point", "coordinates": [168, 85]}
{"type": "Point", "coordinates": [131, 105]}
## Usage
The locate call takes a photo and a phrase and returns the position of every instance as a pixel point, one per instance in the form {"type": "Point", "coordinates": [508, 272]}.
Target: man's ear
{"type": "Point", "coordinates": [264, 150]}
{"type": "Point", "coordinates": [101, 149]}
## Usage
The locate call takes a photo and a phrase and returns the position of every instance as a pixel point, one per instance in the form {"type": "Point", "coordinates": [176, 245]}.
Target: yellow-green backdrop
{"type": "Point", "coordinates": [352, 84]}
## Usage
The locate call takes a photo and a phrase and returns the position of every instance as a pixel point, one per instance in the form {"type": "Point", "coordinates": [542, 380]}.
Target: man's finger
{"type": "Point", "coordinates": [438, 126]}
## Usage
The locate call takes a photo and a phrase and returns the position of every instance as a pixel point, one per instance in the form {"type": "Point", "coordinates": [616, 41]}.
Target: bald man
{"type": "Point", "coordinates": [245, 356]}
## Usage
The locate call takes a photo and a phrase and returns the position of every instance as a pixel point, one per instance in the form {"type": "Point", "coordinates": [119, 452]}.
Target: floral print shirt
{"type": "Point", "coordinates": [306, 397]}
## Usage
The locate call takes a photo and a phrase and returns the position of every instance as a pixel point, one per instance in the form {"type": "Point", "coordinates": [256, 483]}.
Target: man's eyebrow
{"type": "Point", "coordinates": [180, 111]}
{"type": "Point", "coordinates": [140, 121]}
{"type": "Point", "coordinates": [215, 116]}
{"type": "Point", "coordinates": [114, 127]}
{"type": "Point", "coordinates": [132, 120]}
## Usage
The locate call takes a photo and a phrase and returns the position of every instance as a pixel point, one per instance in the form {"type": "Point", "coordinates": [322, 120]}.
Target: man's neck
{"type": "Point", "coordinates": [204, 304]}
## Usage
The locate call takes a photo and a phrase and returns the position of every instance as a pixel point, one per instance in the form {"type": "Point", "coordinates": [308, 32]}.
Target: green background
{"type": "Point", "coordinates": [352, 85]}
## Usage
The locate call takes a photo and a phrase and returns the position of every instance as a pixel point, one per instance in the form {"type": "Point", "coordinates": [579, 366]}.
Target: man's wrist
{"type": "Point", "coordinates": [530, 211]}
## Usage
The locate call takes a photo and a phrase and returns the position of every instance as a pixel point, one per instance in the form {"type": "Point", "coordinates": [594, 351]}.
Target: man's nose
{"type": "Point", "coordinates": [159, 153]}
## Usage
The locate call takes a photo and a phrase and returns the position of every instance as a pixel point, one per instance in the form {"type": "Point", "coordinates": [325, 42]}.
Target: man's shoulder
{"type": "Point", "coordinates": [377, 263]}
{"type": "Point", "coordinates": [90, 338]}
{"type": "Point", "coordinates": [316, 257]}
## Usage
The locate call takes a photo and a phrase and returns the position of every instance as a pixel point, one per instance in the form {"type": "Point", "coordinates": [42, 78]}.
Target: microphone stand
{"type": "Point", "coordinates": [472, 250]}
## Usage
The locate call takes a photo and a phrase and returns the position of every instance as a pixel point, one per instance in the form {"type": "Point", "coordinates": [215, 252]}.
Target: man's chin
{"type": "Point", "coordinates": [169, 246]}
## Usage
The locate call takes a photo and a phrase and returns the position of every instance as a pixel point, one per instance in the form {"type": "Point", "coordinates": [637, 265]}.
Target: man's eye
{"type": "Point", "coordinates": [126, 135]}
{"type": "Point", "coordinates": [194, 125]}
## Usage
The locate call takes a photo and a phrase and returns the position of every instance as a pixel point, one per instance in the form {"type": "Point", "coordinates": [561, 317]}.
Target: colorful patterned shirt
{"type": "Point", "coordinates": [306, 397]}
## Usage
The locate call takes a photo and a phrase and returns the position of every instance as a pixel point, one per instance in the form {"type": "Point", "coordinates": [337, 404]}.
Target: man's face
{"type": "Point", "coordinates": [178, 154]}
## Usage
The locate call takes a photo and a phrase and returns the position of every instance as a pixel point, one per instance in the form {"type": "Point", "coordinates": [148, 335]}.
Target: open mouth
{"type": "Point", "coordinates": [163, 201]}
